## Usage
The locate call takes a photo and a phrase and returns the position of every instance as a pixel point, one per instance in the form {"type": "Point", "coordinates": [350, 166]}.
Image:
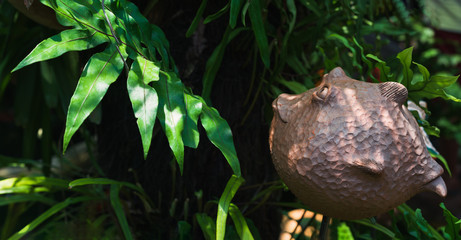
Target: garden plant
{"type": "Point", "coordinates": [150, 119]}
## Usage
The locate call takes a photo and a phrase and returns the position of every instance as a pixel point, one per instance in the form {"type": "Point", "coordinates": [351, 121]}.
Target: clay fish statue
{"type": "Point", "coordinates": [351, 149]}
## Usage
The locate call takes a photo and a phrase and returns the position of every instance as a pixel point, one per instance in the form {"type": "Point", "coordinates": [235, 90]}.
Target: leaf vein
{"type": "Point", "coordinates": [91, 88]}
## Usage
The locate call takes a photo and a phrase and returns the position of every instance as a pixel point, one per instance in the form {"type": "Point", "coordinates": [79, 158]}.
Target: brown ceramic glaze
{"type": "Point", "coordinates": [350, 149]}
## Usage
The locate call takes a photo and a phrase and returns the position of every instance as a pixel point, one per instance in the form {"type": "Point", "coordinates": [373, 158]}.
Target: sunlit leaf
{"type": "Point", "coordinates": [442, 81]}
{"type": "Point", "coordinates": [143, 97]}
{"type": "Point", "coordinates": [433, 88]}
{"type": "Point", "coordinates": [120, 26]}
{"type": "Point", "coordinates": [220, 134]}
{"type": "Point", "coordinates": [138, 27]}
{"type": "Point", "coordinates": [101, 70]}
{"type": "Point", "coordinates": [47, 214]}
{"type": "Point", "coordinates": [23, 184]}
{"type": "Point", "coordinates": [190, 135]}
{"type": "Point", "coordinates": [30, 185]}
{"type": "Point", "coordinates": [405, 57]}
{"type": "Point", "coordinates": [240, 222]}
{"type": "Point", "coordinates": [65, 41]}
{"type": "Point", "coordinates": [223, 206]}
{"type": "Point", "coordinates": [171, 112]}
{"type": "Point", "coordinates": [79, 14]}
{"type": "Point", "coordinates": [207, 225]}
{"type": "Point", "coordinates": [344, 232]}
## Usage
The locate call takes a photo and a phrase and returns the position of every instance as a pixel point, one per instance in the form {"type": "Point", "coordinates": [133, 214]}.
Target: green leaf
{"type": "Point", "coordinates": [433, 88]}
{"type": "Point", "coordinates": [30, 197]}
{"type": "Point", "coordinates": [244, 12]}
{"type": "Point", "coordinates": [65, 41]}
{"type": "Point", "coordinates": [79, 14]}
{"type": "Point", "coordinates": [141, 31]}
{"type": "Point", "coordinates": [437, 155]}
{"type": "Point", "coordinates": [171, 113]}
{"type": "Point", "coordinates": [295, 87]}
{"type": "Point", "coordinates": [239, 222]}
{"type": "Point", "coordinates": [428, 128]}
{"type": "Point", "coordinates": [143, 97]}
{"type": "Point", "coordinates": [28, 184]}
{"type": "Point", "coordinates": [405, 58]}
{"type": "Point", "coordinates": [197, 18]}
{"type": "Point", "coordinates": [365, 60]}
{"type": "Point", "coordinates": [283, 58]}
{"type": "Point", "coordinates": [223, 206]}
{"type": "Point", "coordinates": [453, 226]}
{"type": "Point", "coordinates": [101, 70]}
{"type": "Point", "coordinates": [385, 71]}
{"type": "Point", "coordinates": [6, 161]}
{"type": "Point", "coordinates": [381, 228]}
{"type": "Point", "coordinates": [88, 14]}
{"type": "Point", "coordinates": [415, 223]}
{"type": "Point", "coordinates": [216, 15]}
{"type": "Point", "coordinates": [259, 30]}
{"type": "Point", "coordinates": [131, 21]}
{"type": "Point", "coordinates": [207, 225]}
{"type": "Point", "coordinates": [313, 6]}
{"type": "Point", "coordinates": [292, 18]}
{"type": "Point", "coordinates": [214, 62]}
{"type": "Point", "coordinates": [351, 48]}
{"type": "Point", "coordinates": [101, 181]}
{"type": "Point", "coordinates": [220, 134]}
{"type": "Point", "coordinates": [119, 212]}
{"type": "Point", "coordinates": [184, 230]}
{"type": "Point", "coordinates": [235, 6]}
{"type": "Point", "coordinates": [49, 84]}
{"type": "Point", "coordinates": [190, 135]}
{"type": "Point", "coordinates": [47, 214]}
{"type": "Point", "coordinates": [422, 223]}
{"type": "Point", "coordinates": [158, 40]}
{"type": "Point", "coordinates": [426, 75]}
{"type": "Point", "coordinates": [441, 81]}
{"type": "Point", "coordinates": [344, 232]}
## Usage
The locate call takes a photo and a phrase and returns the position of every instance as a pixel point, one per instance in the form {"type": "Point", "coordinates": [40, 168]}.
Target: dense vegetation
{"type": "Point", "coordinates": [153, 123]}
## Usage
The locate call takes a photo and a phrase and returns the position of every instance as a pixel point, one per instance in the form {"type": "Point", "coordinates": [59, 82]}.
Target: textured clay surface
{"type": "Point", "coordinates": [351, 149]}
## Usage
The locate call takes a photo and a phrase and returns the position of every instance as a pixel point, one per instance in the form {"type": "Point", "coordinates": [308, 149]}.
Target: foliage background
{"type": "Point", "coordinates": [238, 56]}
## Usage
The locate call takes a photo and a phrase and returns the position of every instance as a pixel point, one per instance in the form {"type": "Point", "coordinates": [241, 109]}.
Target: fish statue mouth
{"type": "Point", "coordinates": [437, 185]}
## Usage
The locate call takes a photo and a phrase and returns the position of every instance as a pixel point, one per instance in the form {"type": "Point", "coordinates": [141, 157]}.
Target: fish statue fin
{"type": "Point", "coordinates": [369, 166]}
